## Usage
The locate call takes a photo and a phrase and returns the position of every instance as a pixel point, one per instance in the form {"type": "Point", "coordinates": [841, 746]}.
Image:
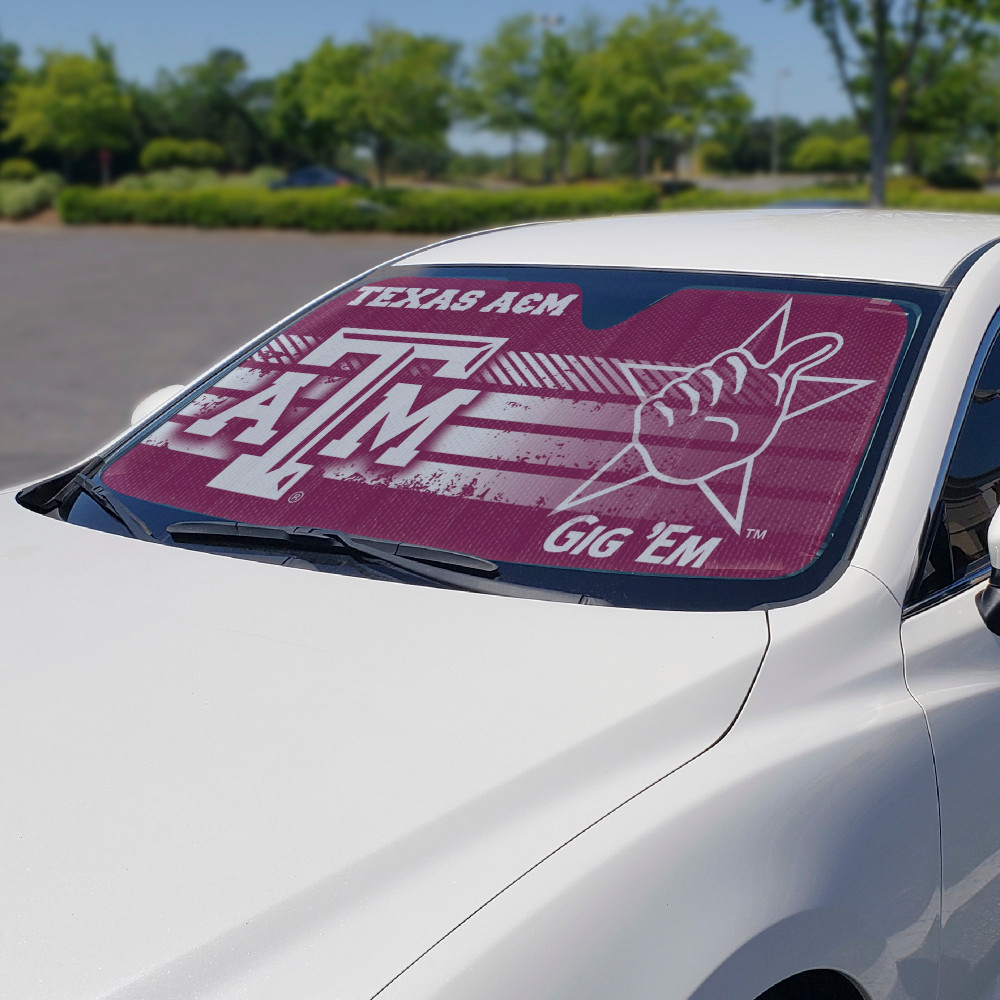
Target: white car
{"type": "Point", "coordinates": [578, 611]}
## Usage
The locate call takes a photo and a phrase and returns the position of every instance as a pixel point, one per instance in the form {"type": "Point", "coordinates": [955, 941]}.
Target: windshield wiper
{"type": "Point", "coordinates": [457, 570]}
{"type": "Point", "coordinates": [111, 505]}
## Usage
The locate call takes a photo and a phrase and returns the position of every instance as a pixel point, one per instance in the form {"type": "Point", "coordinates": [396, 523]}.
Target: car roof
{"type": "Point", "coordinates": [913, 247]}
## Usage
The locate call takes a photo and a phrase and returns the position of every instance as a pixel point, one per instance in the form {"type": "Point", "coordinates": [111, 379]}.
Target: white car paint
{"type": "Point", "coordinates": [913, 247]}
{"type": "Point", "coordinates": [220, 766]}
{"type": "Point", "coordinates": [567, 802]}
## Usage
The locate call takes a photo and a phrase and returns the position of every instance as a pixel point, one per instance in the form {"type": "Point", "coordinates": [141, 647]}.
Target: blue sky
{"type": "Point", "coordinates": [272, 34]}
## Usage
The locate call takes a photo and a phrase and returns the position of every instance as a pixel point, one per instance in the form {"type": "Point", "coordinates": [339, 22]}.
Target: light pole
{"type": "Point", "coordinates": [549, 23]}
{"type": "Point", "coordinates": [776, 119]}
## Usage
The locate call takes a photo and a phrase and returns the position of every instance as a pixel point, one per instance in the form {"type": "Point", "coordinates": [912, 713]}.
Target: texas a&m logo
{"type": "Point", "coordinates": [401, 424]}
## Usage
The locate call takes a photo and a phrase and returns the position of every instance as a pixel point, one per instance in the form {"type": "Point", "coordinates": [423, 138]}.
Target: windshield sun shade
{"type": "Point", "coordinates": [708, 432]}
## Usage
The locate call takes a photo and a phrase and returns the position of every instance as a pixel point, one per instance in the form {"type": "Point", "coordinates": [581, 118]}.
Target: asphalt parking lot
{"type": "Point", "coordinates": [91, 320]}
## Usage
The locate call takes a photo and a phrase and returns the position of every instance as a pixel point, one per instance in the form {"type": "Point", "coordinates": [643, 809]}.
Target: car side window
{"type": "Point", "coordinates": [957, 547]}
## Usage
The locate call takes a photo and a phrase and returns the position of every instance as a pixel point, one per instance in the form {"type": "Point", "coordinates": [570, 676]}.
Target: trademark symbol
{"type": "Point", "coordinates": [296, 497]}
{"type": "Point", "coordinates": [757, 534]}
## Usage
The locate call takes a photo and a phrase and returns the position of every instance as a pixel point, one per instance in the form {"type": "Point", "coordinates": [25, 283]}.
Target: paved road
{"type": "Point", "coordinates": [91, 320]}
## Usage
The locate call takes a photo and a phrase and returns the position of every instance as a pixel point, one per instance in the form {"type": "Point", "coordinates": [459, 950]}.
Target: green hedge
{"type": "Point", "coordinates": [18, 168]}
{"type": "Point", "coordinates": [190, 179]}
{"type": "Point", "coordinates": [327, 210]}
{"type": "Point", "coordinates": [162, 154]}
{"type": "Point", "coordinates": [20, 199]}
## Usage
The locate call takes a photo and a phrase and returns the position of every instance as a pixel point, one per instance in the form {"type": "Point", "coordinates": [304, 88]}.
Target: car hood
{"type": "Point", "coordinates": [223, 778]}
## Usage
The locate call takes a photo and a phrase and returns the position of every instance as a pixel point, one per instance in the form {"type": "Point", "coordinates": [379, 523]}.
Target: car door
{"type": "Point", "coordinates": [952, 666]}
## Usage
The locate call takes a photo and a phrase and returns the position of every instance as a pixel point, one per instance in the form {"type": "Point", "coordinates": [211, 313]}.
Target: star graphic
{"type": "Point", "coordinates": [723, 378]}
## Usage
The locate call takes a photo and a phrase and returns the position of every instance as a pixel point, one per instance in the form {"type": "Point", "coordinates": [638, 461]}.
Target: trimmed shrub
{"type": "Point", "coordinates": [162, 154]}
{"type": "Point", "coordinates": [20, 199]}
{"type": "Point", "coordinates": [856, 153]}
{"type": "Point", "coordinates": [17, 168]}
{"type": "Point", "coordinates": [698, 198]}
{"type": "Point", "coordinates": [260, 177]}
{"type": "Point", "coordinates": [818, 153]}
{"type": "Point", "coordinates": [174, 179]}
{"type": "Point", "coordinates": [332, 209]}
{"type": "Point", "coordinates": [953, 177]}
{"type": "Point", "coordinates": [191, 179]}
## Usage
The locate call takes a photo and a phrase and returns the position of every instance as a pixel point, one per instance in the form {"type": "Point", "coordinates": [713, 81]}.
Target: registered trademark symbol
{"type": "Point", "coordinates": [296, 496]}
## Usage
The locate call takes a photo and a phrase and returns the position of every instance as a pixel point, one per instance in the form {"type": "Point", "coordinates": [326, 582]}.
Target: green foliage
{"type": "Point", "coordinates": [393, 87]}
{"type": "Point", "coordinates": [17, 168]}
{"type": "Point", "coordinates": [714, 155]}
{"type": "Point", "coordinates": [21, 199]}
{"type": "Point", "coordinates": [662, 74]}
{"type": "Point", "coordinates": [174, 179]}
{"type": "Point", "coordinates": [214, 99]}
{"type": "Point", "coordinates": [323, 210]}
{"type": "Point", "coordinates": [162, 154]}
{"type": "Point", "coordinates": [818, 153]}
{"type": "Point", "coordinates": [856, 153]}
{"type": "Point", "coordinates": [825, 154]}
{"type": "Point", "coordinates": [890, 57]}
{"type": "Point", "coordinates": [953, 177]}
{"type": "Point", "coordinates": [502, 81]}
{"type": "Point", "coordinates": [188, 179]}
{"type": "Point", "coordinates": [73, 104]}
{"type": "Point", "coordinates": [305, 139]}
{"type": "Point", "coordinates": [696, 199]}
{"type": "Point", "coordinates": [748, 142]}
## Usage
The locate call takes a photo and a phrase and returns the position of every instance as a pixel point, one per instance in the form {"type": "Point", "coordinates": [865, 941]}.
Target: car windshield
{"type": "Point", "coordinates": [654, 438]}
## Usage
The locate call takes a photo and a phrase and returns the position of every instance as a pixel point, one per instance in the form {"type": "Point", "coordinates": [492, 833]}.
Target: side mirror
{"type": "Point", "coordinates": [988, 600]}
{"type": "Point", "coordinates": [151, 403]}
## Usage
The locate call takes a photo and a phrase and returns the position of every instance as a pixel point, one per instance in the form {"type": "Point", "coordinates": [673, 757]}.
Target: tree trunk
{"type": "Point", "coordinates": [381, 152]}
{"type": "Point", "coordinates": [515, 170]}
{"type": "Point", "coordinates": [642, 150]}
{"type": "Point", "coordinates": [912, 155]}
{"type": "Point", "coordinates": [880, 99]}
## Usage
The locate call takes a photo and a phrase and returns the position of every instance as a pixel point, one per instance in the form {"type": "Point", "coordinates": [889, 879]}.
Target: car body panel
{"type": "Point", "coordinates": [240, 780]}
{"type": "Point", "coordinates": [807, 838]}
{"type": "Point", "coordinates": [953, 669]}
{"type": "Point", "coordinates": [910, 247]}
{"type": "Point", "coordinates": [888, 547]}
{"type": "Point", "coordinates": [218, 760]}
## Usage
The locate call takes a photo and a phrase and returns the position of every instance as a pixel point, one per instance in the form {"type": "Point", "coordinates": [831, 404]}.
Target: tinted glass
{"type": "Point", "coordinates": [971, 490]}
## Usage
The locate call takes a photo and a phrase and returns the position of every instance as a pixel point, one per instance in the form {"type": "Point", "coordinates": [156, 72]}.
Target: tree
{"type": "Point", "coordinates": [888, 54]}
{"type": "Point", "coordinates": [393, 87]}
{"type": "Point", "coordinates": [299, 138]}
{"type": "Point", "coordinates": [317, 101]}
{"type": "Point", "coordinates": [663, 75]}
{"type": "Point", "coordinates": [747, 144]}
{"type": "Point", "coordinates": [73, 104]}
{"type": "Point", "coordinates": [559, 86]}
{"type": "Point", "coordinates": [10, 71]}
{"type": "Point", "coordinates": [818, 153]}
{"type": "Point", "coordinates": [503, 80]}
{"type": "Point", "coordinates": [214, 99]}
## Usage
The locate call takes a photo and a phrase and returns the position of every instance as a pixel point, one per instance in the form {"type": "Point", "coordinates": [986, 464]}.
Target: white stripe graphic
{"type": "Point", "coordinates": [525, 371]}
{"type": "Point", "coordinates": [556, 373]}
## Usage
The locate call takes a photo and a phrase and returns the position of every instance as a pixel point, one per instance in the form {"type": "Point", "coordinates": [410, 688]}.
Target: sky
{"type": "Point", "coordinates": [147, 36]}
